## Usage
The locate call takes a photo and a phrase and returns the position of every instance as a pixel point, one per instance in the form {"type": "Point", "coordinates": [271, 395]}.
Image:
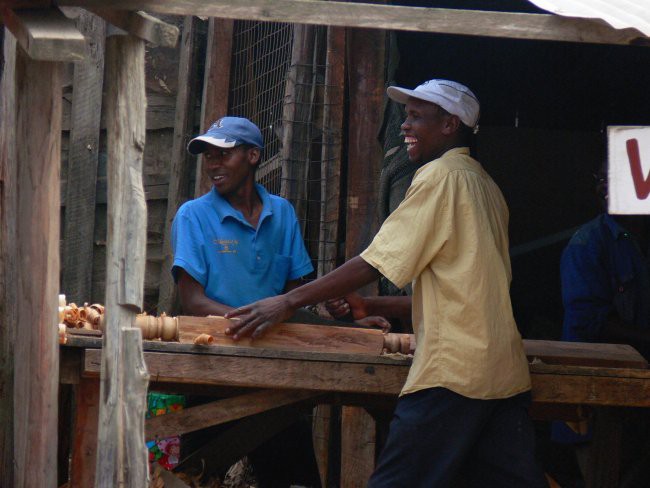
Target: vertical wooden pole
{"type": "Point", "coordinates": [84, 447]}
{"type": "Point", "coordinates": [331, 153]}
{"type": "Point", "coordinates": [216, 85]}
{"type": "Point", "coordinates": [296, 121]}
{"type": "Point", "coordinates": [8, 255]}
{"type": "Point", "coordinates": [324, 415]}
{"type": "Point", "coordinates": [179, 171]}
{"type": "Point", "coordinates": [357, 447]}
{"type": "Point", "coordinates": [366, 55]}
{"type": "Point", "coordinates": [82, 163]}
{"type": "Point", "coordinates": [34, 158]}
{"type": "Point", "coordinates": [124, 379]}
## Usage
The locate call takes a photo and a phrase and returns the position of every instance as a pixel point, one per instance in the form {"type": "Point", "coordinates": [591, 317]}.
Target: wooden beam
{"type": "Point", "coordinates": [181, 161]}
{"type": "Point", "coordinates": [539, 27]}
{"type": "Point", "coordinates": [297, 337]}
{"type": "Point", "coordinates": [358, 440]}
{"type": "Point", "coordinates": [221, 411]}
{"type": "Point", "coordinates": [84, 447]}
{"type": "Point", "coordinates": [585, 354]}
{"type": "Point", "coordinates": [366, 58]}
{"type": "Point", "coordinates": [141, 25]}
{"type": "Point", "coordinates": [238, 440]}
{"type": "Point", "coordinates": [296, 121]}
{"type": "Point", "coordinates": [124, 379]}
{"type": "Point", "coordinates": [83, 156]}
{"type": "Point", "coordinates": [216, 86]}
{"type": "Point", "coordinates": [33, 92]}
{"type": "Point", "coordinates": [334, 98]}
{"type": "Point", "coordinates": [8, 255]}
{"type": "Point", "coordinates": [46, 35]}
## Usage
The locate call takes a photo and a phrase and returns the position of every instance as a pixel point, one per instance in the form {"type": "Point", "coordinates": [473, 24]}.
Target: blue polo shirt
{"type": "Point", "coordinates": [234, 262]}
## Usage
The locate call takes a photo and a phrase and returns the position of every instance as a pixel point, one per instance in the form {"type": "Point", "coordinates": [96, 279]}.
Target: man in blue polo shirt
{"type": "Point", "coordinates": [237, 243]}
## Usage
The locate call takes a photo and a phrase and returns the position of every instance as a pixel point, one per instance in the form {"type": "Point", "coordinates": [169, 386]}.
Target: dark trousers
{"type": "Point", "coordinates": [438, 438]}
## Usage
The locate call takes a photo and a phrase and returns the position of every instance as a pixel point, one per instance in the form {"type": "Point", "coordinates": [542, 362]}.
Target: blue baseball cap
{"type": "Point", "coordinates": [228, 132]}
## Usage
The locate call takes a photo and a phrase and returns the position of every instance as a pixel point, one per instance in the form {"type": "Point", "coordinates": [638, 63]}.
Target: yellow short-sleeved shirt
{"type": "Point", "coordinates": [449, 237]}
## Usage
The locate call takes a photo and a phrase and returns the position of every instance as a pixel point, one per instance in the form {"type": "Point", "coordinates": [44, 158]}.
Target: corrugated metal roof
{"type": "Point", "coordinates": [619, 14]}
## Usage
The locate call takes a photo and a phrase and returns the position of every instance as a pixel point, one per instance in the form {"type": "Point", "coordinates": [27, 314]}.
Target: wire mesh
{"type": "Point", "coordinates": [277, 81]}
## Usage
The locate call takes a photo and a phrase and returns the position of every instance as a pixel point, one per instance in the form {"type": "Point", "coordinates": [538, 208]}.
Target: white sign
{"type": "Point", "coordinates": [629, 170]}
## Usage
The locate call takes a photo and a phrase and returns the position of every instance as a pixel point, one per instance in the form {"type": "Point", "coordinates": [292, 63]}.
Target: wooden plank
{"type": "Point", "coordinates": [84, 447]}
{"type": "Point", "coordinates": [141, 25]}
{"type": "Point", "coordinates": [296, 121]}
{"type": "Point", "coordinates": [181, 161]}
{"type": "Point", "coordinates": [124, 459]}
{"type": "Point", "coordinates": [237, 441]}
{"type": "Point", "coordinates": [357, 447]}
{"type": "Point", "coordinates": [8, 255]}
{"type": "Point", "coordinates": [46, 34]}
{"type": "Point", "coordinates": [334, 101]}
{"type": "Point", "coordinates": [255, 372]}
{"type": "Point", "coordinates": [421, 19]}
{"type": "Point", "coordinates": [221, 411]}
{"type": "Point", "coordinates": [579, 385]}
{"type": "Point", "coordinates": [37, 86]}
{"type": "Point", "coordinates": [302, 337]}
{"type": "Point", "coordinates": [216, 86]}
{"type": "Point", "coordinates": [585, 354]}
{"type": "Point", "coordinates": [604, 457]}
{"type": "Point", "coordinates": [83, 154]}
{"type": "Point", "coordinates": [366, 58]}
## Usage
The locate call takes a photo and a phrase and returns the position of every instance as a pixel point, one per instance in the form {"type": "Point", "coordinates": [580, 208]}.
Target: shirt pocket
{"type": "Point", "coordinates": [281, 268]}
{"type": "Point", "coordinates": [625, 296]}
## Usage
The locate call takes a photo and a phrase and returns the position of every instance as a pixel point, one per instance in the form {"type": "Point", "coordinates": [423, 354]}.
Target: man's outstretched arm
{"type": "Point", "coordinates": [256, 318]}
{"type": "Point", "coordinates": [193, 298]}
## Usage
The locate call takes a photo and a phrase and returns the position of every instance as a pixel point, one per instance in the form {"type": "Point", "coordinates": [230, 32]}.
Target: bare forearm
{"type": "Point", "coordinates": [349, 277]}
{"type": "Point", "coordinates": [202, 306]}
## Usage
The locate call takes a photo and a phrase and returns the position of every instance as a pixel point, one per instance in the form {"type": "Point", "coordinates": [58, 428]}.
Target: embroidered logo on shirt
{"type": "Point", "coordinates": [226, 246]}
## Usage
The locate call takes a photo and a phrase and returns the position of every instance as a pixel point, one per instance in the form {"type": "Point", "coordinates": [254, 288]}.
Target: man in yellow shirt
{"type": "Point", "coordinates": [463, 409]}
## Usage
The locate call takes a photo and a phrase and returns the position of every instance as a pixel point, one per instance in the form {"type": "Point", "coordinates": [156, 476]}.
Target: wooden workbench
{"type": "Point", "coordinates": [347, 379]}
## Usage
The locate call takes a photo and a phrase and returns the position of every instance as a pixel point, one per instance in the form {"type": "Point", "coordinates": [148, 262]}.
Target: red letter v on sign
{"type": "Point", "coordinates": [641, 184]}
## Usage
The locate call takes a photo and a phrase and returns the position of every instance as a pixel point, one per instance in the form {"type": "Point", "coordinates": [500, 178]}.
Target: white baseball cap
{"type": "Point", "coordinates": [455, 98]}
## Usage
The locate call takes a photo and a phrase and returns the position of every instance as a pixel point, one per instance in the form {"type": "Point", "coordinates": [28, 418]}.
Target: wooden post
{"type": "Point", "coordinates": [366, 53]}
{"type": "Point", "coordinates": [180, 165]}
{"type": "Point", "coordinates": [82, 163]}
{"type": "Point", "coordinates": [84, 437]}
{"type": "Point", "coordinates": [216, 86]}
{"type": "Point", "coordinates": [331, 154]}
{"type": "Point", "coordinates": [124, 379]}
{"type": "Point", "coordinates": [8, 255]}
{"type": "Point", "coordinates": [31, 146]}
{"type": "Point", "coordinates": [296, 121]}
{"type": "Point", "coordinates": [357, 447]}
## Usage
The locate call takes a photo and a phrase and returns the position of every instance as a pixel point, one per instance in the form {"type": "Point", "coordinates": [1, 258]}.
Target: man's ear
{"type": "Point", "coordinates": [451, 125]}
{"type": "Point", "coordinates": [254, 156]}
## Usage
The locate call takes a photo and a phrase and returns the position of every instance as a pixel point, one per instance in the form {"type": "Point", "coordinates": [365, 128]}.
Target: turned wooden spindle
{"type": "Point", "coordinates": [402, 343]}
{"type": "Point", "coordinates": [163, 327]}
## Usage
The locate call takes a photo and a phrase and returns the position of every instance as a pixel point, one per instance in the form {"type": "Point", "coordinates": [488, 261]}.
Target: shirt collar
{"type": "Point", "coordinates": [613, 226]}
{"type": "Point", "coordinates": [225, 210]}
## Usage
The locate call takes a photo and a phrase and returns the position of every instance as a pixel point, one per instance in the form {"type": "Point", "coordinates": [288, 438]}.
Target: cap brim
{"type": "Point", "coordinates": [199, 144]}
{"type": "Point", "coordinates": [401, 95]}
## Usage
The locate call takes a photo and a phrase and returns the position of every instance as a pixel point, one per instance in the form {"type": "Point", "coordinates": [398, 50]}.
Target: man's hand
{"type": "Point", "coordinates": [375, 321]}
{"type": "Point", "coordinates": [255, 319]}
{"type": "Point", "coordinates": [350, 303]}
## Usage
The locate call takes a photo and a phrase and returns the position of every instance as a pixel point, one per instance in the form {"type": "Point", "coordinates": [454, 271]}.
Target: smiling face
{"type": "Point", "coordinates": [231, 169]}
{"type": "Point", "coordinates": [428, 130]}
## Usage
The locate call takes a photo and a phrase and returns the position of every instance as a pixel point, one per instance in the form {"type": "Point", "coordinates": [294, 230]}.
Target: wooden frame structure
{"type": "Point", "coordinates": [37, 40]}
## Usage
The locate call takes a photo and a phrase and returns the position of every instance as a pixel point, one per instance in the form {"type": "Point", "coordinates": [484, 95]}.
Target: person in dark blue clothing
{"type": "Point", "coordinates": [605, 272]}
